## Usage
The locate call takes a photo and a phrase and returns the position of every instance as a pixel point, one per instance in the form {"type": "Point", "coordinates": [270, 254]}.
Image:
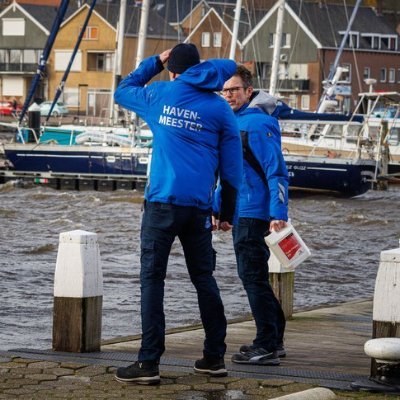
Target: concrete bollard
{"type": "Point", "coordinates": [282, 283]}
{"type": "Point", "coordinates": [386, 308]}
{"type": "Point", "coordinates": [78, 293]}
{"type": "Point", "coordinates": [310, 394]}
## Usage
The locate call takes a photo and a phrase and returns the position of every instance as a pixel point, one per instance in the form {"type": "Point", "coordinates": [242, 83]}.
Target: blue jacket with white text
{"type": "Point", "coordinates": [195, 133]}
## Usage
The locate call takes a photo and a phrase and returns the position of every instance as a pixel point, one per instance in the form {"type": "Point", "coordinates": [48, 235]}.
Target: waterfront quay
{"type": "Point", "coordinates": [324, 350]}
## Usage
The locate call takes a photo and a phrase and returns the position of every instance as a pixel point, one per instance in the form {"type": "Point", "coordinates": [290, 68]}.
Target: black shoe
{"type": "Point", "coordinates": [212, 366]}
{"type": "Point", "coordinates": [280, 350]}
{"type": "Point", "coordinates": [257, 356]}
{"type": "Point", "coordinates": [143, 373]}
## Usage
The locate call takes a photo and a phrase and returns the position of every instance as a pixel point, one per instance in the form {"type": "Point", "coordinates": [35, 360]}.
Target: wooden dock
{"type": "Point", "coordinates": [329, 339]}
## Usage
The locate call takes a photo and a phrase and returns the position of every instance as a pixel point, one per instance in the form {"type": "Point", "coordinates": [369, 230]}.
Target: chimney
{"type": "Point", "coordinates": [379, 7]}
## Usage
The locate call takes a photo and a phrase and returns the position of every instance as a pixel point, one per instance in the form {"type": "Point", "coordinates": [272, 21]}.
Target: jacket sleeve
{"type": "Point", "coordinates": [230, 165]}
{"type": "Point", "coordinates": [131, 93]}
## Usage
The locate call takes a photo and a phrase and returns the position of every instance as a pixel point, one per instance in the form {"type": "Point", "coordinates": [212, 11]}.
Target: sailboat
{"type": "Point", "coordinates": [81, 157]}
{"type": "Point", "coordinates": [319, 170]}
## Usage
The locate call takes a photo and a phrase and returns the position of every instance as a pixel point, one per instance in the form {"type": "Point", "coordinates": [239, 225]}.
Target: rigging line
{"type": "Point", "coordinates": [331, 24]}
{"type": "Point", "coordinates": [357, 71]}
{"type": "Point", "coordinates": [293, 46]}
{"type": "Point", "coordinates": [254, 44]}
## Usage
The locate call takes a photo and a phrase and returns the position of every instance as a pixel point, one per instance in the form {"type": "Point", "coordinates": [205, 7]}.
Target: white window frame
{"type": "Point", "coordinates": [217, 39]}
{"type": "Point", "coordinates": [392, 75]}
{"type": "Point", "coordinates": [368, 74]}
{"type": "Point", "coordinates": [61, 60]}
{"type": "Point", "coordinates": [305, 102]}
{"type": "Point", "coordinates": [88, 33]}
{"type": "Point", "coordinates": [71, 97]}
{"type": "Point", "coordinates": [205, 39]}
{"type": "Point", "coordinates": [13, 27]}
{"type": "Point", "coordinates": [382, 75]}
{"type": "Point", "coordinates": [13, 86]}
{"type": "Point", "coordinates": [287, 37]}
{"type": "Point", "coordinates": [271, 40]}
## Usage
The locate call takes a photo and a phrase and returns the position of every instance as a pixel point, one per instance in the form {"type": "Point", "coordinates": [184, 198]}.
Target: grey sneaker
{"type": "Point", "coordinates": [211, 366]}
{"type": "Point", "coordinates": [280, 350]}
{"type": "Point", "coordinates": [257, 356]}
{"type": "Point", "coordinates": [143, 373]}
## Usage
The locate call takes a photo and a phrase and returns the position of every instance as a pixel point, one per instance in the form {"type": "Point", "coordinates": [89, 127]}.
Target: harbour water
{"type": "Point", "coordinates": [345, 236]}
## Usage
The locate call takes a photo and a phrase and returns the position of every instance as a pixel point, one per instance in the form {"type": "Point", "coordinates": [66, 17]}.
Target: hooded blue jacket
{"type": "Point", "coordinates": [256, 200]}
{"type": "Point", "coordinates": [195, 134]}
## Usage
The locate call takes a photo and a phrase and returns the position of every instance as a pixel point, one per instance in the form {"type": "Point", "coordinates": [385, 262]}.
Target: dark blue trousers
{"type": "Point", "coordinates": [161, 223]}
{"type": "Point", "coordinates": [252, 256]}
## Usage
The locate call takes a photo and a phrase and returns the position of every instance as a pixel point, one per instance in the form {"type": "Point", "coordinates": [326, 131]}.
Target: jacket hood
{"type": "Point", "coordinates": [209, 75]}
{"type": "Point", "coordinates": [264, 101]}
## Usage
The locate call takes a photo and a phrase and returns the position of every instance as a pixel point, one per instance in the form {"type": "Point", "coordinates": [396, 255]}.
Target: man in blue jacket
{"type": "Point", "coordinates": [263, 207]}
{"type": "Point", "coordinates": [195, 138]}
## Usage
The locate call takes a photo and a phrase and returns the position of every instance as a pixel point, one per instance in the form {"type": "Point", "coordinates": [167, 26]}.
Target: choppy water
{"type": "Point", "coordinates": [346, 237]}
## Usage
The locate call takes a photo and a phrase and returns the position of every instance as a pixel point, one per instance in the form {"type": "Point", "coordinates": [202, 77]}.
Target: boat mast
{"type": "Point", "coordinates": [62, 9]}
{"type": "Point", "coordinates": [118, 58]}
{"type": "Point", "coordinates": [61, 86]}
{"type": "Point", "coordinates": [235, 29]}
{"type": "Point", "coordinates": [277, 48]}
{"type": "Point", "coordinates": [144, 18]}
{"type": "Point", "coordinates": [330, 85]}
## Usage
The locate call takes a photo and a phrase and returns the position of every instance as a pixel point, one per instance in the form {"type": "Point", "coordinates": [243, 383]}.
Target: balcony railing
{"type": "Point", "coordinates": [18, 67]}
{"type": "Point", "coordinates": [289, 85]}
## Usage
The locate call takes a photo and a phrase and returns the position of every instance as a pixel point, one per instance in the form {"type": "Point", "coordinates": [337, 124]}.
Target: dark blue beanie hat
{"type": "Point", "coordinates": [182, 57]}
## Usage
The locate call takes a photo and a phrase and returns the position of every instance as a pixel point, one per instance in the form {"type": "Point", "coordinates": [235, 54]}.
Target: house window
{"type": "Point", "coordinates": [392, 75]}
{"type": "Point", "coordinates": [13, 27]}
{"type": "Point", "coordinates": [91, 33]}
{"type": "Point", "coordinates": [62, 60]}
{"type": "Point", "coordinates": [367, 73]}
{"type": "Point", "coordinates": [205, 39]}
{"type": "Point", "coordinates": [217, 39]}
{"type": "Point", "coordinates": [346, 74]}
{"type": "Point", "coordinates": [4, 56]}
{"type": "Point", "coordinates": [352, 39]}
{"type": "Point", "coordinates": [103, 62]}
{"type": "Point", "coordinates": [13, 86]}
{"type": "Point", "coordinates": [398, 75]}
{"type": "Point", "coordinates": [305, 102]}
{"type": "Point", "coordinates": [293, 101]}
{"type": "Point", "coordinates": [286, 40]}
{"type": "Point", "coordinates": [271, 40]}
{"type": "Point", "coordinates": [31, 56]}
{"type": "Point", "coordinates": [15, 56]}
{"type": "Point", "coordinates": [382, 75]}
{"type": "Point", "coordinates": [71, 97]}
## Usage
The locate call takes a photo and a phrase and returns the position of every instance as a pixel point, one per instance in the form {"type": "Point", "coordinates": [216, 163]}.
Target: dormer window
{"type": "Point", "coordinates": [353, 40]}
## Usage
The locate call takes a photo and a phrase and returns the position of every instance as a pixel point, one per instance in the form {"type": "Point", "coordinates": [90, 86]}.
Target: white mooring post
{"type": "Point", "coordinates": [282, 283]}
{"type": "Point", "coordinates": [78, 293]}
{"type": "Point", "coordinates": [386, 309]}
{"type": "Point", "coordinates": [384, 348]}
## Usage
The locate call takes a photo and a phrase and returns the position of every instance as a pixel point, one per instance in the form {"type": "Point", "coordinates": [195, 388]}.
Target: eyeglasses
{"type": "Point", "coordinates": [231, 90]}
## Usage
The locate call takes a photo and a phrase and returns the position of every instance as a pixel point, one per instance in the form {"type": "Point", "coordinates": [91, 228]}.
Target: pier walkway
{"type": "Point", "coordinates": [324, 346]}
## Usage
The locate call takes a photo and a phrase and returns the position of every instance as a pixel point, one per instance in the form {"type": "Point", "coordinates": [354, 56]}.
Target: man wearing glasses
{"type": "Point", "coordinates": [263, 207]}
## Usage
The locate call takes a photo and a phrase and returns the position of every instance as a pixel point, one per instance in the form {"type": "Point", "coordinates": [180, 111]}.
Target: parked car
{"type": "Point", "coordinates": [59, 109]}
{"type": "Point", "coordinates": [8, 108]}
